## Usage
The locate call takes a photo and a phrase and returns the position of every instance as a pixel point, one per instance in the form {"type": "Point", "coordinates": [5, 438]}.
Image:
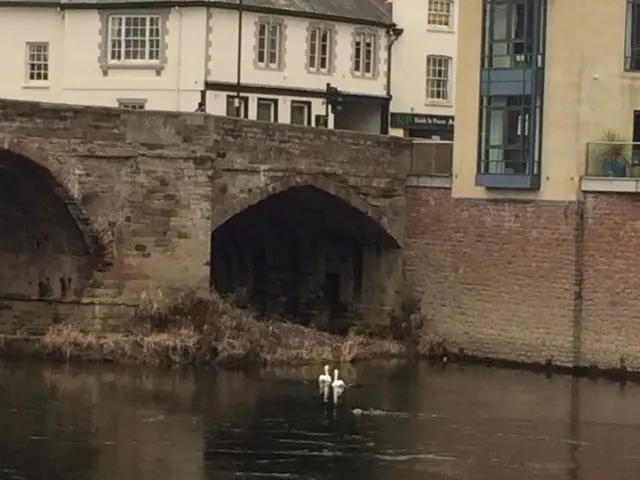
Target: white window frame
{"type": "Point", "coordinates": [307, 113]}
{"type": "Point", "coordinates": [365, 43]}
{"type": "Point", "coordinates": [239, 104]}
{"type": "Point", "coordinates": [269, 47]}
{"type": "Point", "coordinates": [440, 14]}
{"type": "Point", "coordinates": [273, 106]}
{"type": "Point", "coordinates": [37, 63]}
{"type": "Point", "coordinates": [316, 46]}
{"type": "Point", "coordinates": [135, 104]}
{"type": "Point", "coordinates": [121, 43]}
{"type": "Point", "coordinates": [438, 79]}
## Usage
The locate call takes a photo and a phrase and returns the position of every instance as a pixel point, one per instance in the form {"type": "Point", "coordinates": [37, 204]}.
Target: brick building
{"type": "Point", "coordinates": [532, 254]}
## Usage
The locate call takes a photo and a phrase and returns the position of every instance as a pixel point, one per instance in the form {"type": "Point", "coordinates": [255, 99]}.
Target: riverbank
{"type": "Point", "coordinates": [196, 330]}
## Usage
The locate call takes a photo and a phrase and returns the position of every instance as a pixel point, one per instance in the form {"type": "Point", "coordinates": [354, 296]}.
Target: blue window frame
{"type": "Point", "coordinates": [511, 94]}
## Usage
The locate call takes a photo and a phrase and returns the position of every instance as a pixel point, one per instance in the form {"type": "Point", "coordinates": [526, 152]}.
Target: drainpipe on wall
{"type": "Point", "coordinates": [179, 60]}
{"type": "Point", "coordinates": [237, 103]}
{"type": "Point", "coordinates": [393, 34]}
{"type": "Point", "coordinates": [207, 50]}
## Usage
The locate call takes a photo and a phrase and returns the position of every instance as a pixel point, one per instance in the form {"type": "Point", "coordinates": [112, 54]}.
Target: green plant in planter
{"type": "Point", "coordinates": [615, 154]}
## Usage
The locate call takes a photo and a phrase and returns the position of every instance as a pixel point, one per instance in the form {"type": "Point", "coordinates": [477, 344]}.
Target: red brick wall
{"type": "Point", "coordinates": [611, 288]}
{"type": "Point", "coordinates": [495, 278]}
{"type": "Point", "coordinates": [529, 281]}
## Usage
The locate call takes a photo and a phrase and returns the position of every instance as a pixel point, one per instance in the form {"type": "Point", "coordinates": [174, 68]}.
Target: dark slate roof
{"type": "Point", "coordinates": [357, 11]}
{"type": "Point", "coordinates": [366, 10]}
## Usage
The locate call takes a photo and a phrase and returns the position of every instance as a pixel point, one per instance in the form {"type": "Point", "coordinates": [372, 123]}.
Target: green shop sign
{"type": "Point", "coordinates": [413, 120]}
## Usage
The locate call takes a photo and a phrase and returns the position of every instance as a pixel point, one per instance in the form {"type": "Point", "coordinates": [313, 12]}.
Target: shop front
{"type": "Point", "coordinates": [432, 127]}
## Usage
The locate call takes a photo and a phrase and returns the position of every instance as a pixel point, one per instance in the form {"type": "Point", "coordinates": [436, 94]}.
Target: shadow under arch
{"type": "Point", "coordinates": [322, 183]}
{"type": "Point", "coordinates": [306, 253]}
{"type": "Point", "coordinates": [47, 245]}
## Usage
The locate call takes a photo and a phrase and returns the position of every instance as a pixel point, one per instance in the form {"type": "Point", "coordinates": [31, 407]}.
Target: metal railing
{"type": "Point", "coordinates": [432, 157]}
{"type": "Point", "coordinates": [613, 159]}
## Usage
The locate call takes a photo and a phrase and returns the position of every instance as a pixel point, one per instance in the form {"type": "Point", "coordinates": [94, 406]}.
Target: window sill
{"type": "Point", "coordinates": [438, 103]}
{"type": "Point", "coordinates": [437, 29]}
{"type": "Point", "coordinates": [36, 86]}
{"type": "Point", "coordinates": [363, 77]}
{"type": "Point", "coordinates": [634, 74]}
{"type": "Point", "coordinates": [508, 181]}
{"type": "Point", "coordinates": [319, 72]}
{"type": "Point", "coordinates": [265, 68]}
{"type": "Point", "coordinates": [131, 66]}
{"type": "Point", "coordinates": [610, 184]}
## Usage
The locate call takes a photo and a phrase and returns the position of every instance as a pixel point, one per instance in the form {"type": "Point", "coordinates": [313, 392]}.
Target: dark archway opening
{"type": "Point", "coordinates": [43, 252]}
{"type": "Point", "coordinates": [306, 255]}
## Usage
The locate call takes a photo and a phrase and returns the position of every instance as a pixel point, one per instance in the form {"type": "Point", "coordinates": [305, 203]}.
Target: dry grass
{"type": "Point", "coordinates": [195, 329]}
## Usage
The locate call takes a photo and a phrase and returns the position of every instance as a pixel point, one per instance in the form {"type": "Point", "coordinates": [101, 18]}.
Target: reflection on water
{"type": "Point", "coordinates": [410, 422]}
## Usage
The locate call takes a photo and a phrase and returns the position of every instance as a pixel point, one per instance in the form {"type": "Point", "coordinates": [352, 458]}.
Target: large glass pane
{"type": "Point", "coordinates": [510, 29]}
{"type": "Point", "coordinates": [500, 22]}
{"type": "Point", "coordinates": [506, 144]}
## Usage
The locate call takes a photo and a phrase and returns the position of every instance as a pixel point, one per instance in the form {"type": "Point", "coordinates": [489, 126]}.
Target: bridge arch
{"type": "Point", "coordinates": [48, 246]}
{"type": "Point", "coordinates": [306, 248]}
{"type": "Point", "coordinates": [346, 194]}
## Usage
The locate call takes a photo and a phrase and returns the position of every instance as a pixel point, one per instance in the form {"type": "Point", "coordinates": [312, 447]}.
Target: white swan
{"type": "Point", "coordinates": [325, 378]}
{"type": "Point", "coordinates": [337, 384]}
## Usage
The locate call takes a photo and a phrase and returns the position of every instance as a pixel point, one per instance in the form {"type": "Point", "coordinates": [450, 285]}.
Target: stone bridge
{"type": "Point", "coordinates": [102, 209]}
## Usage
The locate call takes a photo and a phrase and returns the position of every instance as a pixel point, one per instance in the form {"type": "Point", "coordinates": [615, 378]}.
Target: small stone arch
{"type": "Point", "coordinates": [234, 206]}
{"type": "Point", "coordinates": [59, 178]}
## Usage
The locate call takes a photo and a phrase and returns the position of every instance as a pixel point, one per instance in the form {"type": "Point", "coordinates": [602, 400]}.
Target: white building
{"type": "Point", "coordinates": [422, 73]}
{"type": "Point", "coordinates": [148, 55]}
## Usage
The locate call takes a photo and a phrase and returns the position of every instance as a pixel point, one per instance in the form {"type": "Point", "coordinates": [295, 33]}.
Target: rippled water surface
{"type": "Point", "coordinates": [418, 422]}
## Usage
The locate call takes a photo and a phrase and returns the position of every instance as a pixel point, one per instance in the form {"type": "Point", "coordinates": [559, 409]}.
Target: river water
{"type": "Point", "coordinates": [418, 422]}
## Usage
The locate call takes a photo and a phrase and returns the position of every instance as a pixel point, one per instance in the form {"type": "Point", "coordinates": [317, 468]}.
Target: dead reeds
{"type": "Point", "coordinates": [196, 329]}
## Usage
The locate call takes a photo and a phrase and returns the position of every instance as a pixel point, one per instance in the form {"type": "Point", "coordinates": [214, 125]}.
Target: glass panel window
{"type": "Point", "coordinates": [509, 34]}
{"type": "Point", "coordinates": [132, 104]}
{"type": "Point", "coordinates": [237, 106]}
{"type": "Point", "coordinates": [269, 44]}
{"type": "Point", "coordinates": [632, 36]}
{"type": "Point", "coordinates": [300, 113]}
{"type": "Point", "coordinates": [507, 143]}
{"type": "Point", "coordinates": [319, 49]}
{"type": "Point", "coordinates": [438, 78]}
{"type": "Point", "coordinates": [363, 56]}
{"type": "Point", "coordinates": [267, 110]}
{"type": "Point", "coordinates": [38, 62]}
{"type": "Point", "coordinates": [440, 13]}
{"type": "Point", "coordinates": [134, 38]}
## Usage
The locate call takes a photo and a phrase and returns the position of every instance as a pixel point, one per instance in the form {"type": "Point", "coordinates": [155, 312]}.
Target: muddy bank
{"type": "Point", "coordinates": [196, 330]}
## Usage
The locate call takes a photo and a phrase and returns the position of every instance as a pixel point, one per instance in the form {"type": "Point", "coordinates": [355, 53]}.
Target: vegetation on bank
{"type": "Point", "coordinates": [194, 329]}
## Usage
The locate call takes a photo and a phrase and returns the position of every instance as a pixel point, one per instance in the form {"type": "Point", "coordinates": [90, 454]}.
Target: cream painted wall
{"type": "Point", "coordinates": [75, 74]}
{"type": "Point", "coordinates": [43, 25]}
{"type": "Point", "coordinates": [223, 64]}
{"type": "Point", "coordinates": [409, 64]}
{"type": "Point", "coordinates": [177, 88]}
{"type": "Point", "coordinates": [586, 92]}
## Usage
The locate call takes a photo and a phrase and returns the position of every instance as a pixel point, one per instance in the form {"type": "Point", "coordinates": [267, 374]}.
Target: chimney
{"type": "Point", "coordinates": [386, 5]}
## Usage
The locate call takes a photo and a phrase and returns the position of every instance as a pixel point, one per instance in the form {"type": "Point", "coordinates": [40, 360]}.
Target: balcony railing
{"type": "Point", "coordinates": [613, 159]}
{"type": "Point", "coordinates": [432, 157]}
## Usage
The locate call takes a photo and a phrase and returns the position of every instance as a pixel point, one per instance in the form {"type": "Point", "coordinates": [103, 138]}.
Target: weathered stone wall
{"type": "Point", "coordinates": [146, 189]}
{"type": "Point", "coordinates": [528, 281]}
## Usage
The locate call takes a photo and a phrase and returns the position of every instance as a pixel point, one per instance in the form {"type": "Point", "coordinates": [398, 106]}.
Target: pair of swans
{"type": "Point", "coordinates": [325, 379]}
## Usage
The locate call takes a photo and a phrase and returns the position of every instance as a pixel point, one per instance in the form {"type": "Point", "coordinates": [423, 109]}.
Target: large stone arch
{"type": "Point", "coordinates": [235, 205]}
{"type": "Point", "coordinates": [306, 247]}
{"type": "Point", "coordinates": [62, 180]}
